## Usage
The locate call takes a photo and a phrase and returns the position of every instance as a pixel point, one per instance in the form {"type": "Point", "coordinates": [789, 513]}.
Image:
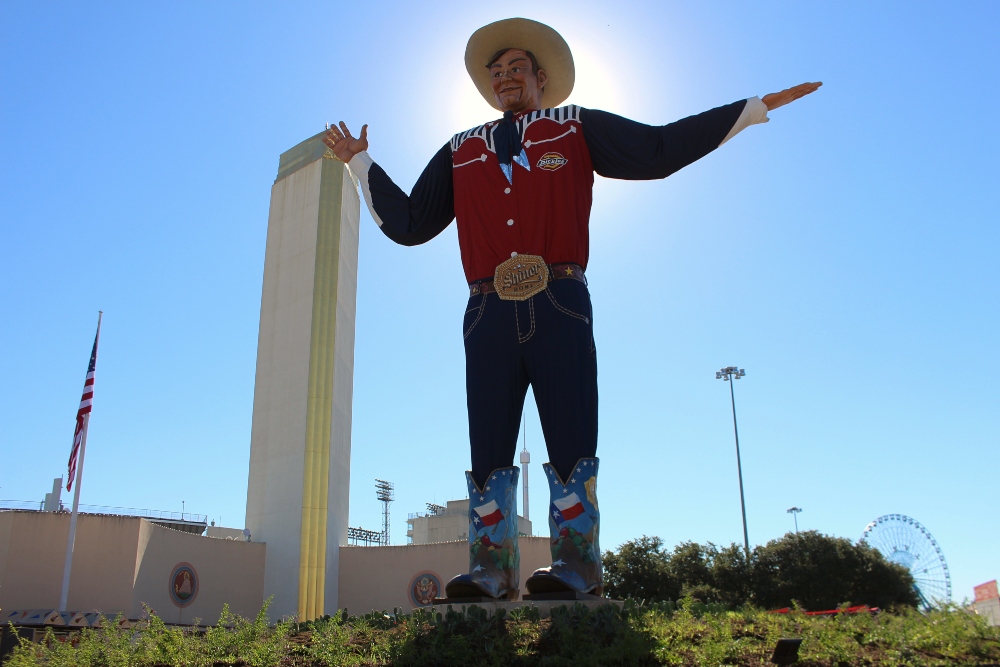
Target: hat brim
{"type": "Point", "coordinates": [549, 48]}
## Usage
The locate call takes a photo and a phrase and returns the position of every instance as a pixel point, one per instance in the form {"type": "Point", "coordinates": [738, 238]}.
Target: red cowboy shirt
{"type": "Point", "coordinates": [544, 207]}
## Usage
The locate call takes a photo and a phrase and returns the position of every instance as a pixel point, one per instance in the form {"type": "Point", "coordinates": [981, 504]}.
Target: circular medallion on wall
{"type": "Point", "coordinates": [424, 587]}
{"type": "Point", "coordinates": [183, 584]}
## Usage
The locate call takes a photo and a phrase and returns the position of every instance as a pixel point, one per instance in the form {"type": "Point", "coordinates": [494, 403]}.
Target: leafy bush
{"type": "Point", "coordinates": [234, 640]}
{"type": "Point", "coordinates": [822, 572]}
{"type": "Point", "coordinates": [684, 634]}
{"type": "Point", "coordinates": [813, 570]}
{"type": "Point", "coordinates": [640, 569]}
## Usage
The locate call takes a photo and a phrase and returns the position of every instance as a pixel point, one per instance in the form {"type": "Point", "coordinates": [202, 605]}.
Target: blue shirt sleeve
{"type": "Point", "coordinates": [429, 208]}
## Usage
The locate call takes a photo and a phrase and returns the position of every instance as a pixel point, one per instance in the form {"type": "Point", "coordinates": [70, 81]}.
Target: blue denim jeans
{"type": "Point", "coordinates": [546, 342]}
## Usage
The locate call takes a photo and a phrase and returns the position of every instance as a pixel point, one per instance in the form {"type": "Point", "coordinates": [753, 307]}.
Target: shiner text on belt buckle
{"type": "Point", "coordinates": [521, 277]}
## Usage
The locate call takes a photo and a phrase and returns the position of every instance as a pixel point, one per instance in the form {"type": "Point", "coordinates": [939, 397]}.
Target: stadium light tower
{"type": "Point", "coordinates": [384, 492]}
{"type": "Point", "coordinates": [728, 374]}
{"type": "Point", "coordinates": [794, 511]}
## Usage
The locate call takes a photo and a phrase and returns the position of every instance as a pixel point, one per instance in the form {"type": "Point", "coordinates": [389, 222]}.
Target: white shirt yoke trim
{"type": "Point", "coordinates": [753, 113]}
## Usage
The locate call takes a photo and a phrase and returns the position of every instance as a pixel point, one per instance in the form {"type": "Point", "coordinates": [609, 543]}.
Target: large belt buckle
{"type": "Point", "coordinates": [521, 277]}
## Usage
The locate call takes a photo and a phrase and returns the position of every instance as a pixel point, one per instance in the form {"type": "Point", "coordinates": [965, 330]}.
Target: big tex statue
{"type": "Point", "coordinates": [521, 190]}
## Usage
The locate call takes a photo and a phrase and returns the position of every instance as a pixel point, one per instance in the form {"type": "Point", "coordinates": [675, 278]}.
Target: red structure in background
{"type": "Point", "coordinates": [987, 591]}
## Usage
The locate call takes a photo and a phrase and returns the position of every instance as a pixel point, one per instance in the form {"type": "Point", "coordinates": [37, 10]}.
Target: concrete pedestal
{"type": "Point", "coordinates": [544, 607]}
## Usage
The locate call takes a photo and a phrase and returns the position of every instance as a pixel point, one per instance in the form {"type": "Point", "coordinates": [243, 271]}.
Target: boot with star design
{"type": "Point", "coordinates": [574, 525]}
{"type": "Point", "coordinates": [494, 559]}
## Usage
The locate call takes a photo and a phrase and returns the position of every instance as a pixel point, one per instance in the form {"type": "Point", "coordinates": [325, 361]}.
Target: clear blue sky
{"type": "Point", "coordinates": [845, 254]}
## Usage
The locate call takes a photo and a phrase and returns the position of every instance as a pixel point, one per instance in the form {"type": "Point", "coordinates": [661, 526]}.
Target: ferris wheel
{"type": "Point", "coordinates": [904, 541]}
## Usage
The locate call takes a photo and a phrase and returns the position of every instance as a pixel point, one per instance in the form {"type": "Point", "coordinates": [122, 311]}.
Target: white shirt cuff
{"type": "Point", "coordinates": [754, 112]}
{"type": "Point", "coordinates": [362, 162]}
{"type": "Point", "coordinates": [359, 165]}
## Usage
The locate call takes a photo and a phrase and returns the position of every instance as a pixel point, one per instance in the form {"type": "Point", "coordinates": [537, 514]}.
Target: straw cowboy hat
{"type": "Point", "coordinates": [549, 48]}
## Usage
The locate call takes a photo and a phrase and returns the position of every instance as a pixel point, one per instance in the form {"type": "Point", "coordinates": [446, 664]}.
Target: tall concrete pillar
{"type": "Point", "coordinates": [300, 442]}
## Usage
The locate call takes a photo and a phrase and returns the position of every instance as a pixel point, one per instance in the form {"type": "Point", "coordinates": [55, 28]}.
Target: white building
{"type": "Point", "coordinates": [447, 524]}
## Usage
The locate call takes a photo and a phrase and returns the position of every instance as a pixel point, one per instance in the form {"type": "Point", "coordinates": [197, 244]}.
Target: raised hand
{"type": "Point", "coordinates": [775, 100]}
{"type": "Point", "coordinates": [343, 144]}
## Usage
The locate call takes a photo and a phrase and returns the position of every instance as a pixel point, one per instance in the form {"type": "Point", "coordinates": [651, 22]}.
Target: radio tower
{"type": "Point", "coordinates": [525, 460]}
{"type": "Point", "coordinates": [384, 491]}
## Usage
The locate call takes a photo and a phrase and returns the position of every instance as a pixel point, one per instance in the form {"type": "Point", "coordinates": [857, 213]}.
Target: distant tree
{"type": "Point", "coordinates": [732, 575]}
{"type": "Point", "coordinates": [823, 572]}
{"type": "Point", "coordinates": [638, 569]}
{"type": "Point", "coordinates": [884, 584]}
{"type": "Point", "coordinates": [690, 565]}
{"type": "Point", "coordinates": [816, 571]}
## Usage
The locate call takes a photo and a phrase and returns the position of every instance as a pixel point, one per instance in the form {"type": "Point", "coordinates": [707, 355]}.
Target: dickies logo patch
{"type": "Point", "coordinates": [551, 162]}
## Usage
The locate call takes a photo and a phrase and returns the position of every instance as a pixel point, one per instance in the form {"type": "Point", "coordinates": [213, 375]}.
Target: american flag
{"type": "Point", "coordinates": [86, 401]}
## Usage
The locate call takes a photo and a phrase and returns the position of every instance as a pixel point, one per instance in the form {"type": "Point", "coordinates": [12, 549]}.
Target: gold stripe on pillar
{"type": "Point", "coordinates": [316, 474]}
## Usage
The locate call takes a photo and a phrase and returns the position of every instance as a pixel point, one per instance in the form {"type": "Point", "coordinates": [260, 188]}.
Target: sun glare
{"type": "Point", "coordinates": [596, 86]}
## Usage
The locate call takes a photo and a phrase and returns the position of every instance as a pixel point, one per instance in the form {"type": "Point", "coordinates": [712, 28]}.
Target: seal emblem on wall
{"type": "Point", "coordinates": [183, 584]}
{"type": "Point", "coordinates": [424, 587]}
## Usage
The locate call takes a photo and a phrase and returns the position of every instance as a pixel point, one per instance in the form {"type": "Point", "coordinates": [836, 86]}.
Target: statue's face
{"type": "Point", "coordinates": [515, 87]}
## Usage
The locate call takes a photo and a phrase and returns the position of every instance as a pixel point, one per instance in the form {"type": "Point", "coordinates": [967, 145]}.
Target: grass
{"type": "Point", "coordinates": [688, 633]}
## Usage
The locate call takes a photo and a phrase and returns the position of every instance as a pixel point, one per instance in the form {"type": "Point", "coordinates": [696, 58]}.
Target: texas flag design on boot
{"type": "Point", "coordinates": [487, 515]}
{"type": "Point", "coordinates": [574, 525]}
{"type": "Point", "coordinates": [564, 510]}
{"type": "Point", "coordinates": [494, 558]}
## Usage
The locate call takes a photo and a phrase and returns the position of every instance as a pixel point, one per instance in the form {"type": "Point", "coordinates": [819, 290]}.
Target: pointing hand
{"type": "Point", "coordinates": [775, 100]}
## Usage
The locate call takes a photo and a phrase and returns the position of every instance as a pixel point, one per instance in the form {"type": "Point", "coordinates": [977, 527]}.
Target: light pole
{"type": "Point", "coordinates": [385, 492]}
{"type": "Point", "coordinates": [727, 374]}
{"type": "Point", "coordinates": [794, 511]}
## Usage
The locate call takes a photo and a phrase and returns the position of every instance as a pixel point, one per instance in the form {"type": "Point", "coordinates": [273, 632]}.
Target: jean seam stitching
{"type": "Point", "coordinates": [531, 331]}
{"type": "Point", "coordinates": [482, 307]}
{"type": "Point", "coordinates": [517, 323]}
{"type": "Point", "coordinates": [566, 310]}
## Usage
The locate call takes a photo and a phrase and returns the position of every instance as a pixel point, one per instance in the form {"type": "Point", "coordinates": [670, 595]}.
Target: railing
{"type": "Point", "coordinates": [368, 537]}
{"type": "Point", "coordinates": [161, 515]}
{"type": "Point", "coordinates": [22, 505]}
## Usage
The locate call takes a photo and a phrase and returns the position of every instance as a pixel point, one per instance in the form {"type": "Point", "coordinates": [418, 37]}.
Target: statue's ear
{"type": "Point", "coordinates": [543, 78]}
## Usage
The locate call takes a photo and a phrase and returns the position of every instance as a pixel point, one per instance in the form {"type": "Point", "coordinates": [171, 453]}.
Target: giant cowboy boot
{"type": "Point", "coordinates": [494, 559]}
{"type": "Point", "coordinates": [574, 524]}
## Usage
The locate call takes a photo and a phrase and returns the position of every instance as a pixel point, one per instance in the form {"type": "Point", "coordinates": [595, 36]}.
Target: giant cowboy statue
{"type": "Point", "coordinates": [521, 189]}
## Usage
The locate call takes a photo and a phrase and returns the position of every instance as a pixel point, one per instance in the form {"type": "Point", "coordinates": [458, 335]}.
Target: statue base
{"type": "Point", "coordinates": [564, 595]}
{"type": "Point", "coordinates": [544, 603]}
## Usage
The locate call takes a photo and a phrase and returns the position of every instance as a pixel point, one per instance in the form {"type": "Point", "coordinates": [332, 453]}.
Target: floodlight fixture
{"type": "Point", "coordinates": [726, 374]}
{"type": "Point", "coordinates": [794, 511]}
{"type": "Point", "coordinates": [384, 491]}
{"type": "Point", "coordinates": [368, 537]}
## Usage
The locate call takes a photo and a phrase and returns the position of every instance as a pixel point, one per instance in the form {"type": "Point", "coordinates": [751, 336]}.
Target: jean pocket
{"type": "Point", "coordinates": [573, 302]}
{"type": "Point", "coordinates": [473, 313]}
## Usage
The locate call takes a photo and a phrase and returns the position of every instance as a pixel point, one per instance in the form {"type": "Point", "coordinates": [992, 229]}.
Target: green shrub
{"type": "Point", "coordinates": [817, 571]}
{"type": "Point", "coordinates": [686, 633]}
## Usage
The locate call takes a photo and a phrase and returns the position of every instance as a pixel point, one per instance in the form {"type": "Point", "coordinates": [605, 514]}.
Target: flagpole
{"type": "Point", "coordinates": [64, 596]}
{"type": "Point", "coordinates": [71, 542]}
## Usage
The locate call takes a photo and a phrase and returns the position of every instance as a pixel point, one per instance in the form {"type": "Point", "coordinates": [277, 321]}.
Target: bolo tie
{"type": "Point", "coordinates": [507, 141]}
